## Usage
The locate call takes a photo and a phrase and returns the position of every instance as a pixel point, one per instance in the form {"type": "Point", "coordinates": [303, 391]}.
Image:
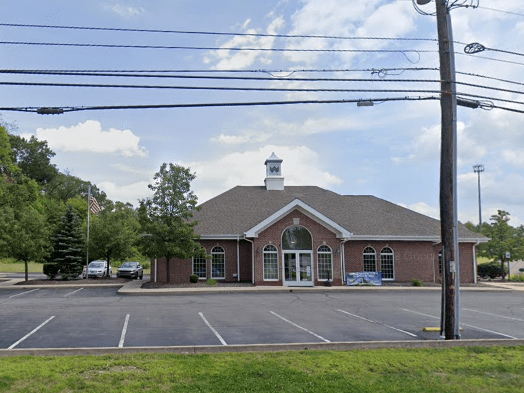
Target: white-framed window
{"type": "Point", "coordinates": [199, 267]}
{"type": "Point", "coordinates": [325, 263]}
{"type": "Point", "coordinates": [370, 259]}
{"type": "Point", "coordinates": [218, 262]}
{"type": "Point", "coordinates": [270, 263]}
{"type": "Point", "coordinates": [387, 263]}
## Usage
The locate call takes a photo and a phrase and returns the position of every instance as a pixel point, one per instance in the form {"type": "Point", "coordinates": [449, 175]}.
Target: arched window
{"type": "Point", "coordinates": [370, 259]}
{"type": "Point", "coordinates": [218, 262]}
{"type": "Point", "coordinates": [387, 265]}
{"type": "Point", "coordinates": [199, 267]}
{"type": "Point", "coordinates": [270, 262]}
{"type": "Point", "coordinates": [296, 238]}
{"type": "Point", "coordinates": [325, 263]}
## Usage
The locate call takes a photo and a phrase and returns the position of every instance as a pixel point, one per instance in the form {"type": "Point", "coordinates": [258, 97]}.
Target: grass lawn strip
{"type": "Point", "coordinates": [465, 369]}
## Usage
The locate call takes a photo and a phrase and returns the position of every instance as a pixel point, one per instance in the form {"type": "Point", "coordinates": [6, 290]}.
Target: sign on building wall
{"type": "Point", "coordinates": [371, 278]}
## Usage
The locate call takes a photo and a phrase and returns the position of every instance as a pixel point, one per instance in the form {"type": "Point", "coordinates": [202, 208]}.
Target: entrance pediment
{"type": "Point", "coordinates": [297, 204]}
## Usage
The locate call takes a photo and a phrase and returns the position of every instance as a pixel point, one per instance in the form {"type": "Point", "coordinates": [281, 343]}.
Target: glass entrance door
{"type": "Point", "coordinates": [298, 269]}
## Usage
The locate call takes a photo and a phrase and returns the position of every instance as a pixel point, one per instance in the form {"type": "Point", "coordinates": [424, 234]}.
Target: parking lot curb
{"type": "Point", "coordinates": [207, 349]}
{"type": "Point", "coordinates": [12, 284]}
{"type": "Point", "coordinates": [134, 288]}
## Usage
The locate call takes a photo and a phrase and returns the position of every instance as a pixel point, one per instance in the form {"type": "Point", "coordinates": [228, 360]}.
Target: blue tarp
{"type": "Point", "coordinates": [372, 278]}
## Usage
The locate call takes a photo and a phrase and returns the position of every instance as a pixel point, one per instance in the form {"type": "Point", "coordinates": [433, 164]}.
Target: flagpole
{"type": "Point", "coordinates": [87, 245]}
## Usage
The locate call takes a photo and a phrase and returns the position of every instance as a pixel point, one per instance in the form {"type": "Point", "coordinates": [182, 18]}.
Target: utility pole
{"type": "Point", "coordinates": [478, 169]}
{"type": "Point", "coordinates": [450, 315]}
{"type": "Point", "coordinates": [448, 173]}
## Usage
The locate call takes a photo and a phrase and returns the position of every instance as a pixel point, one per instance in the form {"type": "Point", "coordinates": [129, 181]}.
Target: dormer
{"type": "Point", "coordinates": [274, 179]}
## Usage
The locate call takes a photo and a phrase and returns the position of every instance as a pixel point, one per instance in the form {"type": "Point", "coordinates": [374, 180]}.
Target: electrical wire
{"type": "Point", "coordinates": [221, 88]}
{"type": "Point", "coordinates": [140, 73]}
{"type": "Point", "coordinates": [57, 110]}
{"type": "Point", "coordinates": [213, 33]}
{"type": "Point", "coordinates": [502, 11]}
{"type": "Point", "coordinates": [232, 48]}
{"type": "Point", "coordinates": [490, 77]}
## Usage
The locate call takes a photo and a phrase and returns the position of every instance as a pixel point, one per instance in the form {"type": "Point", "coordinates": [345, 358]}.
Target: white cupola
{"type": "Point", "coordinates": [274, 179]}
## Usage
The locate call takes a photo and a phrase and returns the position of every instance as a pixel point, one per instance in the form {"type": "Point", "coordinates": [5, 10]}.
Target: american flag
{"type": "Point", "coordinates": [93, 204]}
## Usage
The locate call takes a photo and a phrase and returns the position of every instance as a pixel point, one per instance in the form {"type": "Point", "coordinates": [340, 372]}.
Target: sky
{"type": "Point", "coordinates": [390, 150]}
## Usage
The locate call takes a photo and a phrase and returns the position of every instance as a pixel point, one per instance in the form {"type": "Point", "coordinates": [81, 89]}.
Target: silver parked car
{"type": "Point", "coordinates": [131, 270]}
{"type": "Point", "coordinates": [98, 269]}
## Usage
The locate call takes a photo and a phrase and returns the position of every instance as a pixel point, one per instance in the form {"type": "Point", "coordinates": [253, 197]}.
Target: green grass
{"type": "Point", "coordinates": [8, 265]}
{"type": "Point", "coordinates": [473, 369]}
{"type": "Point", "coordinates": [482, 259]}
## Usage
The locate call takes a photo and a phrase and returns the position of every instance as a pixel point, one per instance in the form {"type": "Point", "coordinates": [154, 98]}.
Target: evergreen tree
{"type": "Point", "coordinates": [68, 246]}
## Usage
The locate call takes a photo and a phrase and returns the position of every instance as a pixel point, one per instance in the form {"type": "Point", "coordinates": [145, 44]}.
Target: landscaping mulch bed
{"type": "Point", "coordinates": [89, 281]}
{"type": "Point", "coordinates": [203, 284]}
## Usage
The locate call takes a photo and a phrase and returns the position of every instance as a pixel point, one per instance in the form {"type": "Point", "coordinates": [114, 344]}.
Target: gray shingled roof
{"type": "Point", "coordinates": [241, 208]}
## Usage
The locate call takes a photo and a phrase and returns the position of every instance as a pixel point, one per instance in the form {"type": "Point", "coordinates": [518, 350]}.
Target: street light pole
{"type": "Point", "coordinates": [478, 169]}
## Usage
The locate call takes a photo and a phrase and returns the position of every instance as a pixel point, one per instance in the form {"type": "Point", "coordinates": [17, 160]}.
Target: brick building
{"type": "Point", "coordinates": [309, 236]}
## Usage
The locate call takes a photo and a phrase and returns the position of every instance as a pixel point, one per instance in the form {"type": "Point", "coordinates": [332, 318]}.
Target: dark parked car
{"type": "Point", "coordinates": [131, 270]}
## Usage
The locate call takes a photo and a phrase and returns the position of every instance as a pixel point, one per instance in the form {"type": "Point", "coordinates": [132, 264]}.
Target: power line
{"type": "Point", "coordinates": [213, 33]}
{"type": "Point", "coordinates": [123, 46]}
{"type": "Point", "coordinates": [221, 88]}
{"type": "Point", "coordinates": [140, 73]}
{"type": "Point", "coordinates": [491, 78]}
{"type": "Point", "coordinates": [502, 11]}
{"type": "Point", "coordinates": [489, 58]}
{"type": "Point", "coordinates": [60, 110]}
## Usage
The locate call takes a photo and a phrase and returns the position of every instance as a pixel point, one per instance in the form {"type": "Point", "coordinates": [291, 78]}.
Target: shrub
{"type": "Point", "coordinates": [211, 281]}
{"type": "Point", "coordinates": [491, 269]}
{"type": "Point", "coordinates": [417, 283]}
{"type": "Point", "coordinates": [193, 278]}
{"type": "Point", "coordinates": [517, 277]}
{"type": "Point", "coordinates": [146, 265]}
{"type": "Point", "coordinates": [51, 270]}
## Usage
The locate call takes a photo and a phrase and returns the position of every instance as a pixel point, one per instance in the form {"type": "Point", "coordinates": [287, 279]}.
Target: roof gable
{"type": "Point", "coordinates": [307, 210]}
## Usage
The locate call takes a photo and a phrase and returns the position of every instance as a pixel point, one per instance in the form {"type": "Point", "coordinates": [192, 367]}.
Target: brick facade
{"type": "Point", "coordinates": [412, 259]}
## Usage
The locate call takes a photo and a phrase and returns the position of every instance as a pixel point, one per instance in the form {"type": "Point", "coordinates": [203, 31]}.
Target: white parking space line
{"type": "Point", "coordinates": [300, 327]}
{"type": "Point", "coordinates": [124, 330]}
{"type": "Point", "coordinates": [70, 293]}
{"type": "Point", "coordinates": [494, 315]}
{"type": "Point", "coordinates": [379, 323]}
{"type": "Point", "coordinates": [212, 329]}
{"type": "Point", "coordinates": [464, 324]}
{"type": "Point", "coordinates": [30, 333]}
{"type": "Point", "coordinates": [23, 293]}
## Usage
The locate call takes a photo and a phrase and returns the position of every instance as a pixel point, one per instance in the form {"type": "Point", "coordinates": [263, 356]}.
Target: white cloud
{"type": "Point", "coordinates": [347, 18]}
{"type": "Point", "coordinates": [237, 60]}
{"type": "Point", "coordinates": [301, 166]}
{"type": "Point", "coordinates": [89, 137]}
{"type": "Point", "coordinates": [427, 143]}
{"type": "Point", "coordinates": [240, 139]}
{"type": "Point", "coordinates": [124, 10]}
{"type": "Point", "coordinates": [514, 157]}
{"type": "Point", "coordinates": [423, 208]}
{"type": "Point", "coordinates": [127, 193]}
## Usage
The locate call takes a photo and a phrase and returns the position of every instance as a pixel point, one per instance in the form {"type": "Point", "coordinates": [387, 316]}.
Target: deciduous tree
{"type": "Point", "coordinates": [113, 233]}
{"type": "Point", "coordinates": [504, 239]}
{"type": "Point", "coordinates": [33, 157]}
{"type": "Point", "coordinates": [165, 217]}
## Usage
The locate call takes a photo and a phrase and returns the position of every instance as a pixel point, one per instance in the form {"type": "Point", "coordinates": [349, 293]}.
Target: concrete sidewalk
{"type": "Point", "coordinates": [134, 287]}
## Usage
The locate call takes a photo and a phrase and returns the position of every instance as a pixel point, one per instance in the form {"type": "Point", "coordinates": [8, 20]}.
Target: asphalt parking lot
{"type": "Point", "coordinates": [100, 317]}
